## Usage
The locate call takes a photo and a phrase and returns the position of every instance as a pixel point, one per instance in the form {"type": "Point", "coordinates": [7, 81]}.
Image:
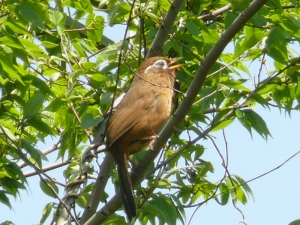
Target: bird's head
{"type": "Point", "coordinates": [159, 65]}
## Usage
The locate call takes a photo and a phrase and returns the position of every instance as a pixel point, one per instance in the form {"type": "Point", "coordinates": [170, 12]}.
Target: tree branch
{"type": "Point", "coordinates": [72, 188]}
{"type": "Point", "coordinates": [98, 190]}
{"type": "Point", "coordinates": [161, 37]}
{"type": "Point", "coordinates": [216, 13]}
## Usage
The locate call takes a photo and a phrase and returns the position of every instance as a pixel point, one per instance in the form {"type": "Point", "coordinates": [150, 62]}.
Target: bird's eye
{"type": "Point", "coordinates": [158, 64]}
{"type": "Point", "coordinates": [161, 63]}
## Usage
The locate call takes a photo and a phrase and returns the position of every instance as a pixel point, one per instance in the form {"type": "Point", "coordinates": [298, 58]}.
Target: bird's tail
{"type": "Point", "coordinates": [126, 188]}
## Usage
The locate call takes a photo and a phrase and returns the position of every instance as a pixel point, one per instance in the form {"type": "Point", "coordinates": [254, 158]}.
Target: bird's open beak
{"type": "Point", "coordinates": [174, 61]}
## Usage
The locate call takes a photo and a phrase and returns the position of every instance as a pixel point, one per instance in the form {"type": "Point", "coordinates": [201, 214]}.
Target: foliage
{"type": "Point", "coordinates": [60, 74]}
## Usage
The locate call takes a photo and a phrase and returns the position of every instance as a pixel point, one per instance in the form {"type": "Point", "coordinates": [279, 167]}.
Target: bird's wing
{"type": "Point", "coordinates": [129, 113]}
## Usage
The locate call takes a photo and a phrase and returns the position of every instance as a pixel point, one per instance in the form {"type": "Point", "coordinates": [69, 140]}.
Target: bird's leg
{"type": "Point", "coordinates": [151, 144]}
{"type": "Point", "coordinates": [151, 139]}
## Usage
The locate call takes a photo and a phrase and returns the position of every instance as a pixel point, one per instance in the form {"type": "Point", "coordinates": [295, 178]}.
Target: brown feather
{"type": "Point", "coordinates": [140, 116]}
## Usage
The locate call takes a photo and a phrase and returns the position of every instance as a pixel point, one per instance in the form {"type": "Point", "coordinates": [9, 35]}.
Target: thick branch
{"type": "Point", "coordinates": [73, 188]}
{"type": "Point", "coordinates": [162, 35]}
{"type": "Point", "coordinates": [98, 190]}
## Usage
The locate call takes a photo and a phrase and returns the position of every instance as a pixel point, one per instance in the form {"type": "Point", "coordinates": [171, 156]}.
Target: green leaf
{"type": "Point", "coordinates": [9, 67]}
{"type": "Point", "coordinates": [211, 36]}
{"type": "Point", "coordinates": [11, 127]}
{"type": "Point", "coordinates": [205, 168]}
{"type": "Point", "coordinates": [239, 114]}
{"type": "Point", "coordinates": [68, 142]}
{"type": "Point", "coordinates": [236, 84]}
{"type": "Point", "coordinates": [96, 25]}
{"type": "Point", "coordinates": [89, 121]}
{"type": "Point", "coordinates": [195, 149]}
{"type": "Point", "coordinates": [36, 155]}
{"type": "Point", "coordinates": [4, 199]}
{"type": "Point", "coordinates": [97, 79]}
{"type": "Point", "coordinates": [31, 46]}
{"type": "Point", "coordinates": [282, 95]}
{"type": "Point", "coordinates": [224, 192]}
{"type": "Point", "coordinates": [16, 27]}
{"type": "Point", "coordinates": [82, 200]}
{"type": "Point", "coordinates": [48, 186]}
{"type": "Point", "coordinates": [117, 13]}
{"type": "Point", "coordinates": [48, 44]}
{"type": "Point", "coordinates": [295, 222]}
{"type": "Point", "coordinates": [240, 195]}
{"type": "Point", "coordinates": [276, 45]}
{"type": "Point", "coordinates": [164, 184]}
{"type": "Point", "coordinates": [11, 185]}
{"type": "Point", "coordinates": [163, 4]}
{"type": "Point", "coordinates": [41, 85]}
{"type": "Point", "coordinates": [179, 207]}
{"type": "Point", "coordinates": [31, 13]}
{"type": "Point", "coordinates": [115, 219]}
{"type": "Point", "coordinates": [150, 212]}
{"type": "Point", "coordinates": [229, 18]}
{"type": "Point", "coordinates": [207, 98]}
{"type": "Point", "coordinates": [251, 120]}
{"type": "Point", "coordinates": [46, 212]}
{"type": "Point", "coordinates": [54, 105]}
{"type": "Point", "coordinates": [203, 188]}
{"type": "Point", "coordinates": [40, 125]}
{"type": "Point", "coordinates": [34, 105]}
{"type": "Point", "coordinates": [222, 125]}
{"type": "Point", "coordinates": [192, 28]}
{"type": "Point", "coordinates": [184, 193]}
{"type": "Point", "coordinates": [9, 38]}
{"type": "Point", "coordinates": [235, 191]}
{"type": "Point", "coordinates": [14, 171]}
{"type": "Point", "coordinates": [7, 223]}
{"type": "Point", "coordinates": [251, 38]}
{"type": "Point", "coordinates": [56, 17]}
{"type": "Point", "coordinates": [291, 25]}
{"type": "Point", "coordinates": [244, 185]}
{"type": "Point", "coordinates": [259, 99]}
{"type": "Point", "coordinates": [106, 98]}
{"type": "Point", "coordinates": [88, 65]}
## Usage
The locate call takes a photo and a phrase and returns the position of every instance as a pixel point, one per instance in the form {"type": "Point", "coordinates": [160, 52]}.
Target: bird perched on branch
{"type": "Point", "coordinates": [140, 117]}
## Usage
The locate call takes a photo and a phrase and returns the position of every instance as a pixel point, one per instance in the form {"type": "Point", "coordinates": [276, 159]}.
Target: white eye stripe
{"type": "Point", "coordinates": [159, 63]}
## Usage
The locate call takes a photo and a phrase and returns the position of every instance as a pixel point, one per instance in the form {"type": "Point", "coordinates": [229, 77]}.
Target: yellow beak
{"type": "Point", "coordinates": [173, 61]}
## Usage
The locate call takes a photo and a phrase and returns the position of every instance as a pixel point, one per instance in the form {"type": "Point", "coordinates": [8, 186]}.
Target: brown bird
{"type": "Point", "coordinates": [140, 117]}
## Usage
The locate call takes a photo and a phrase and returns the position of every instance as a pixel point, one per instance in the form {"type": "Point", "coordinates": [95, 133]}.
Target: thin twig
{"type": "Point", "coordinates": [255, 178]}
{"type": "Point", "coordinates": [240, 211]}
{"type": "Point", "coordinates": [215, 13]}
{"type": "Point", "coordinates": [79, 121]}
